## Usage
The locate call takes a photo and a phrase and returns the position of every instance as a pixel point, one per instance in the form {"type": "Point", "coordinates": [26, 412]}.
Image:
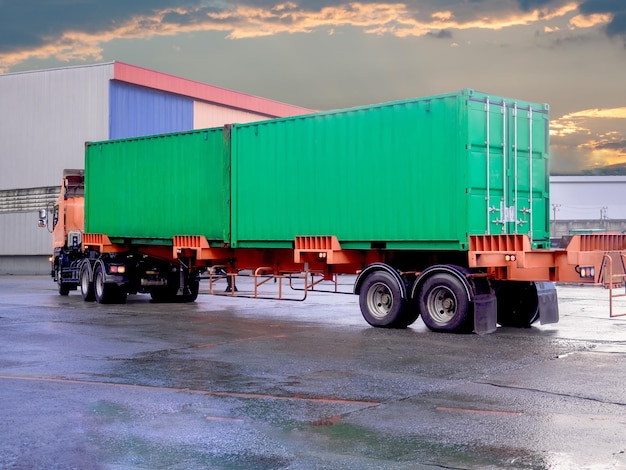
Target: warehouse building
{"type": "Point", "coordinates": [48, 115]}
{"type": "Point", "coordinates": [587, 204]}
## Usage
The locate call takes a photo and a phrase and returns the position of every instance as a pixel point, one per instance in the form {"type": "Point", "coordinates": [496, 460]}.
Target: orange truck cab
{"type": "Point", "coordinates": [67, 229]}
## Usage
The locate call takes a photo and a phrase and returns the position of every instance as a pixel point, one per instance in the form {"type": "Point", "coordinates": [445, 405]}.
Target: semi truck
{"type": "Point", "coordinates": [438, 205]}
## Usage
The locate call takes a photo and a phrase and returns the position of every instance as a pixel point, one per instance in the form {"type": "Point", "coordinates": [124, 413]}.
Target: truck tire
{"type": "Point", "coordinates": [444, 304]}
{"type": "Point", "coordinates": [106, 293]}
{"type": "Point", "coordinates": [63, 289]}
{"type": "Point", "coordinates": [381, 301]}
{"type": "Point", "coordinates": [518, 303]}
{"type": "Point", "coordinates": [161, 295]}
{"type": "Point", "coordinates": [167, 294]}
{"type": "Point", "coordinates": [86, 285]}
{"type": "Point", "coordinates": [194, 288]}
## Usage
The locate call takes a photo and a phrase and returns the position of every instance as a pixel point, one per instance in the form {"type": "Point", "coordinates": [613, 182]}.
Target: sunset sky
{"type": "Point", "coordinates": [331, 54]}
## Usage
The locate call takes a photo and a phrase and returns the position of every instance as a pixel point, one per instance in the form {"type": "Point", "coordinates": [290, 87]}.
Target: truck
{"type": "Point", "coordinates": [439, 206]}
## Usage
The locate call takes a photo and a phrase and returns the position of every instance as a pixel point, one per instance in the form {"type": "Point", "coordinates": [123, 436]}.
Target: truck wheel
{"type": "Point", "coordinates": [381, 301]}
{"type": "Point", "coordinates": [167, 294]}
{"type": "Point", "coordinates": [444, 305]}
{"type": "Point", "coordinates": [162, 295]}
{"type": "Point", "coordinates": [63, 289]}
{"type": "Point", "coordinates": [120, 296]}
{"type": "Point", "coordinates": [518, 303]}
{"type": "Point", "coordinates": [194, 287]}
{"type": "Point", "coordinates": [105, 293]}
{"type": "Point", "coordinates": [86, 286]}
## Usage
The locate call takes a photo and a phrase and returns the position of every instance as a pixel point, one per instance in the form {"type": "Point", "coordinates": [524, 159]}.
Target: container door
{"type": "Point", "coordinates": [516, 164]}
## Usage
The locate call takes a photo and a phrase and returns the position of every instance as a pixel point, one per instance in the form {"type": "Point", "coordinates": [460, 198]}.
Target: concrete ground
{"type": "Point", "coordinates": [262, 384]}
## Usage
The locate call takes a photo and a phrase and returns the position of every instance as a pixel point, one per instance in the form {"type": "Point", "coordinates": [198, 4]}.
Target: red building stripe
{"type": "Point", "coordinates": [203, 92]}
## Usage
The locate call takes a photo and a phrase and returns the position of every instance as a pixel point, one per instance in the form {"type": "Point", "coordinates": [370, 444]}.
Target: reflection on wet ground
{"type": "Point", "coordinates": [258, 384]}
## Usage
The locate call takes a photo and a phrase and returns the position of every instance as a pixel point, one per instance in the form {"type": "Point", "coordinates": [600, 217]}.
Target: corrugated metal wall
{"type": "Point", "coordinates": [137, 111]}
{"type": "Point", "coordinates": [20, 235]}
{"type": "Point", "coordinates": [46, 118]}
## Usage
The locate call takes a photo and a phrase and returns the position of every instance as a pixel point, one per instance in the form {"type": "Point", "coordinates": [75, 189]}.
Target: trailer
{"type": "Point", "coordinates": [439, 205]}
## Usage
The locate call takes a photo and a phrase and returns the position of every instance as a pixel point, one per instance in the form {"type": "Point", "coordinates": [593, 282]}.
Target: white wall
{"type": "Point", "coordinates": [20, 235]}
{"type": "Point", "coordinates": [210, 115]}
{"type": "Point", "coordinates": [588, 197]}
{"type": "Point", "coordinates": [46, 118]}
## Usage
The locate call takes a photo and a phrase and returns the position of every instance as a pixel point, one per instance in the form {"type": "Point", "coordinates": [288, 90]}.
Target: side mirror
{"type": "Point", "coordinates": [43, 218]}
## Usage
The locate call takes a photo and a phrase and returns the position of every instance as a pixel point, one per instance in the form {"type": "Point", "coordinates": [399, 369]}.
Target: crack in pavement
{"type": "Point", "coordinates": [548, 392]}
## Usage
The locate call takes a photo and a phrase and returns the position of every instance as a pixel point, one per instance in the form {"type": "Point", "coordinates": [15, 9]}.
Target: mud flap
{"type": "Point", "coordinates": [485, 313]}
{"type": "Point", "coordinates": [548, 302]}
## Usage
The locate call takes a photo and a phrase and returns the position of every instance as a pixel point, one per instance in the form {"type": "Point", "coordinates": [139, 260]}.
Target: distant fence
{"type": "Point", "coordinates": [561, 228]}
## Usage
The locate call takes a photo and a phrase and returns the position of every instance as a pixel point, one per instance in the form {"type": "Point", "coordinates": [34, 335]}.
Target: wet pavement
{"type": "Point", "coordinates": [262, 384]}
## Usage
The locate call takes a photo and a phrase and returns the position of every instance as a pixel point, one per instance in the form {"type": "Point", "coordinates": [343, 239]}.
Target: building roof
{"type": "Point", "coordinates": [202, 91]}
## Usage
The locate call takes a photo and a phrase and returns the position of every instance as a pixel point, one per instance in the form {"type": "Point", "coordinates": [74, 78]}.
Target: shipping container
{"type": "Point", "coordinates": [415, 174]}
{"type": "Point", "coordinates": [155, 187]}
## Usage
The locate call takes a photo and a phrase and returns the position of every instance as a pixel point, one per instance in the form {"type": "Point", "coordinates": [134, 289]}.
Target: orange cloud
{"type": "Point", "coordinates": [580, 21]}
{"type": "Point", "coordinates": [578, 122]}
{"type": "Point", "coordinates": [597, 133]}
{"type": "Point", "coordinates": [611, 113]}
{"type": "Point", "coordinates": [242, 21]}
{"type": "Point", "coordinates": [442, 15]}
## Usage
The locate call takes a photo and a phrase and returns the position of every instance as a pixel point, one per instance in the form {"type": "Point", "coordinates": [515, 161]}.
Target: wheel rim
{"type": "Point", "coordinates": [379, 300]}
{"type": "Point", "coordinates": [442, 305]}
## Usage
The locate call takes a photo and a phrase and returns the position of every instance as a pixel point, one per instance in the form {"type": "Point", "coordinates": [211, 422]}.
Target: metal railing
{"type": "Point", "coordinates": [614, 279]}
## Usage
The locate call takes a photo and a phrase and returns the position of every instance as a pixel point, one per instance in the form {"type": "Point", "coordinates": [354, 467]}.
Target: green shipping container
{"type": "Point", "coordinates": [420, 174]}
{"type": "Point", "coordinates": [148, 189]}
{"type": "Point", "coordinates": [416, 174]}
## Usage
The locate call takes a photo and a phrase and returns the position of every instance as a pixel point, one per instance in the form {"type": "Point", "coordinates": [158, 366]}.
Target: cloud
{"type": "Point", "coordinates": [578, 123]}
{"type": "Point", "coordinates": [589, 21]}
{"type": "Point", "coordinates": [587, 132]}
{"type": "Point", "coordinates": [611, 113]}
{"type": "Point", "coordinates": [31, 23]}
{"type": "Point", "coordinates": [528, 5]}
{"type": "Point", "coordinates": [78, 30]}
{"type": "Point", "coordinates": [443, 34]}
{"type": "Point", "coordinates": [611, 13]}
{"type": "Point", "coordinates": [616, 9]}
{"type": "Point", "coordinates": [619, 145]}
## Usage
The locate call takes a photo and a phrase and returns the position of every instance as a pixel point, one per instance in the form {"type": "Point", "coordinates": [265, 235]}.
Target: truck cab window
{"type": "Point", "coordinates": [55, 217]}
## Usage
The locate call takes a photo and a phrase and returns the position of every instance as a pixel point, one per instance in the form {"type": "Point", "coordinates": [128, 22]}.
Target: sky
{"type": "Point", "coordinates": [330, 54]}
